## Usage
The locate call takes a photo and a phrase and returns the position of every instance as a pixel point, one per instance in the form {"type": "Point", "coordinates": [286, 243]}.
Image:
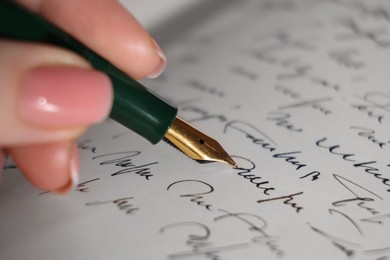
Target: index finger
{"type": "Point", "coordinates": [109, 29]}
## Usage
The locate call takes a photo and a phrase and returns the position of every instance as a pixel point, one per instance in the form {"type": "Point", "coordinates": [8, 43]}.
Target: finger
{"type": "Point", "coordinates": [109, 29]}
{"type": "Point", "coordinates": [52, 167]}
{"type": "Point", "coordinates": [48, 94]}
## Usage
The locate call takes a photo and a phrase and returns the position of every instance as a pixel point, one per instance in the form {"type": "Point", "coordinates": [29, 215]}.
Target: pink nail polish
{"type": "Point", "coordinates": [163, 62]}
{"type": "Point", "coordinates": [64, 96]}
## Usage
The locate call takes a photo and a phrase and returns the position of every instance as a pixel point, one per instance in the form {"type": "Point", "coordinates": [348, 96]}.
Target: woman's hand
{"type": "Point", "coordinates": [49, 96]}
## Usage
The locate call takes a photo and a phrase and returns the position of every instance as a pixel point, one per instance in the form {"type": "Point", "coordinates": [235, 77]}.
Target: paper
{"type": "Point", "coordinates": [151, 17]}
{"type": "Point", "coordinates": [297, 91]}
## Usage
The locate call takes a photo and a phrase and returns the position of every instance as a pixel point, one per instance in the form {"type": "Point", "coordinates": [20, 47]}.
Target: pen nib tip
{"type": "Point", "coordinates": [196, 144]}
{"type": "Point", "coordinates": [232, 163]}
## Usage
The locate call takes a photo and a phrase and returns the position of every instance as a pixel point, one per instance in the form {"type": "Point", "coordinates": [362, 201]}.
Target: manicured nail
{"type": "Point", "coordinates": [75, 167]}
{"type": "Point", "coordinates": [73, 173]}
{"type": "Point", "coordinates": [162, 64]}
{"type": "Point", "coordinates": [64, 96]}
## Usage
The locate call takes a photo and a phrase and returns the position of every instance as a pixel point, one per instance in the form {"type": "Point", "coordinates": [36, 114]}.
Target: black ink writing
{"type": "Point", "coordinates": [263, 238]}
{"type": "Point", "coordinates": [197, 197]}
{"type": "Point", "coordinates": [123, 204]}
{"type": "Point", "coordinates": [368, 166]}
{"type": "Point", "coordinates": [283, 120]}
{"type": "Point", "coordinates": [369, 134]}
{"type": "Point", "coordinates": [245, 172]}
{"type": "Point", "coordinates": [125, 162]}
{"type": "Point", "coordinates": [288, 200]}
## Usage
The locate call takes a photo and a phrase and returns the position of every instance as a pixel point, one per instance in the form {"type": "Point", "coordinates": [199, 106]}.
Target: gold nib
{"type": "Point", "coordinates": [195, 144]}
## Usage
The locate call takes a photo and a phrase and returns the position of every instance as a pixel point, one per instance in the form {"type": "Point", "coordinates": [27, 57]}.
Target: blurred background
{"type": "Point", "coordinates": [152, 12]}
{"type": "Point", "coordinates": [169, 20]}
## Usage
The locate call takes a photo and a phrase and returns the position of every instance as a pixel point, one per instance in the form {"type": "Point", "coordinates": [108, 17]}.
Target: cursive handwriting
{"type": "Point", "coordinates": [253, 134]}
{"type": "Point", "coordinates": [315, 104]}
{"type": "Point", "coordinates": [198, 197]}
{"type": "Point", "coordinates": [262, 238]}
{"type": "Point", "coordinates": [196, 84]}
{"type": "Point", "coordinates": [347, 247]}
{"type": "Point", "coordinates": [283, 120]}
{"type": "Point", "coordinates": [368, 166]}
{"type": "Point", "coordinates": [126, 164]}
{"type": "Point", "coordinates": [376, 105]}
{"type": "Point", "coordinates": [287, 91]}
{"type": "Point", "coordinates": [379, 35]}
{"type": "Point", "coordinates": [254, 179]}
{"type": "Point", "coordinates": [83, 187]}
{"type": "Point", "coordinates": [347, 58]}
{"type": "Point", "coordinates": [122, 204]}
{"type": "Point", "coordinates": [361, 195]}
{"type": "Point", "coordinates": [291, 159]}
{"type": "Point", "coordinates": [199, 242]}
{"type": "Point", "coordinates": [288, 200]}
{"type": "Point", "coordinates": [369, 134]}
{"type": "Point", "coordinates": [360, 198]}
{"type": "Point", "coordinates": [259, 138]}
{"type": "Point", "coordinates": [244, 73]}
{"type": "Point", "coordinates": [85, 145]}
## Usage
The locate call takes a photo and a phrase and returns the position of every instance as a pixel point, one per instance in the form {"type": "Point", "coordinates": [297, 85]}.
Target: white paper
{"type": "Point", "coordinates": [151, 12]}
{"type": "Point", "coordinates": [297, 91]}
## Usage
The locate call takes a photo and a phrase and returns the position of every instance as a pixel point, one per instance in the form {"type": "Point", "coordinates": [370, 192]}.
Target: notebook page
{"type": "Point", "coordinates": [296, 91]}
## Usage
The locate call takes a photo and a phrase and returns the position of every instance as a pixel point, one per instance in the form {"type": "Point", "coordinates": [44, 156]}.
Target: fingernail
{"type": "Point", "coordinates": [64, 96]}
{"type": "Point", "coordinates": [74, 168]}
{"type": "Point", "coordinates": [162, 64]}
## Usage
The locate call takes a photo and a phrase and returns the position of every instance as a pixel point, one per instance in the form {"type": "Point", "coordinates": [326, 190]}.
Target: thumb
{"type": "Point", "coordinates": [48, 94]}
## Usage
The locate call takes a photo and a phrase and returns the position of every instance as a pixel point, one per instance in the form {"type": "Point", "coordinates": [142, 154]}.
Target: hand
{"type": "Point", "coordinates": [49, 96]}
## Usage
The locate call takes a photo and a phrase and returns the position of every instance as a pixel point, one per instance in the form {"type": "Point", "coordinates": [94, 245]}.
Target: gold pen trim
{"type": "Point", "coordinates": [196, 144]}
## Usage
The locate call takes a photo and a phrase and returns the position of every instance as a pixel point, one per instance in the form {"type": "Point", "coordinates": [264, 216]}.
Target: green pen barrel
{"type": "Point", "coordinates": [134, 106]}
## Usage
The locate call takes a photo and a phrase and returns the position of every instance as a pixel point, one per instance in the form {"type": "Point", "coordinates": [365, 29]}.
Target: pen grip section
{"type": "Point", "coordinates": [141, 111]}
{"type": "Point", "coordinates": [134, 106]}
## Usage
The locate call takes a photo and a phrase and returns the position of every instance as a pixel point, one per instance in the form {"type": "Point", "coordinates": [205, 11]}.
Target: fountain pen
{"type": "Point", "coordinates": [134, 106]}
